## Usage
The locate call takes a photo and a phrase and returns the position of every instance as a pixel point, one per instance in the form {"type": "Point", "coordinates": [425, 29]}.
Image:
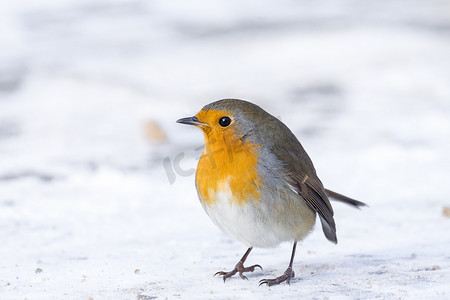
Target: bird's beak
{"type": "Point", "coordinates": [190, 121]}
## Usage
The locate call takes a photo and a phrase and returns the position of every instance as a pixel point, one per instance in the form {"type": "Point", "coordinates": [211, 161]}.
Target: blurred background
{"type": "Point", "coordinates": [97, 196]}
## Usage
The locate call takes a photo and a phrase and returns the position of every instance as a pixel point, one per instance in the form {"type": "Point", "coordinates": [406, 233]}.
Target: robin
{"type": "Point", "coordinates": [257, 183]}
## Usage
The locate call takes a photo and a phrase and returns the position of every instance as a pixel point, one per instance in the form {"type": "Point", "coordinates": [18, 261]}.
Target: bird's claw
{"type": "Point", "coordinates": [240, 269]}
{"type": "Point", "coordinates": [287, 276]}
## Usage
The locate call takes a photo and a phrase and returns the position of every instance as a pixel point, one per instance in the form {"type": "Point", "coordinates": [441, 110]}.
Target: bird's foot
{"type": "Point", "coordinates": [287, 276]}
{"type": "Point", "coordinates": [239, 268]}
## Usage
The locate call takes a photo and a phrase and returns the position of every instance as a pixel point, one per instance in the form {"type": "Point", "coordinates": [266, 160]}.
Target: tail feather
{"type": "Point", "coordinates": [341, 198]}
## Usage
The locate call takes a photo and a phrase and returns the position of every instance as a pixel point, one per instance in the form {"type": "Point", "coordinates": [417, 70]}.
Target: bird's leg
{"type": "Point", "coordinates": [287, 275]}
{"type": "Point", "coordinates": [239, 268]}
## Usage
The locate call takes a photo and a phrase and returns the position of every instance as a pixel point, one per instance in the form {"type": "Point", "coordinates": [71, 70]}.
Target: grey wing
{"type": "Point", "coordinates": [313, 192]}
{"type": "Point", "coordinates": [294, 164]}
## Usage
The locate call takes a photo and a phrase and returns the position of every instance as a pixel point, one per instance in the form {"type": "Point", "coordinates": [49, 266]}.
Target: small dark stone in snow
{"type": "Point", "coordinates": [145, 297]}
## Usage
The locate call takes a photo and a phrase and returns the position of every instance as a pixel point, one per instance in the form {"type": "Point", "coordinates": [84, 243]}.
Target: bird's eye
{"type": "Point", "coordinates": [224, 121]}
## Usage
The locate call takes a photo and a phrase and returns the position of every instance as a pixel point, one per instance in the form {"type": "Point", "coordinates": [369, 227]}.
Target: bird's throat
{"type": "Point", "coordinates": [228, 165]}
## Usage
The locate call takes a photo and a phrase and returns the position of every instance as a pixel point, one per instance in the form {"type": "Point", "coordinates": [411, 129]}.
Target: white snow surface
{"type": "Point", "coordinates": [88, 210]}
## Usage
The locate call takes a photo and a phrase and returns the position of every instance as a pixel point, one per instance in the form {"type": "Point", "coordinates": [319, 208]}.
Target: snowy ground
{"type": "Point", "coordinates": [87, 209]}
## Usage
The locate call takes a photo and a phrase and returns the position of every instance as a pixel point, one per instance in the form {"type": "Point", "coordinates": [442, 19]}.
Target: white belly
{"type": "Point", "coordinates": [275, 218]}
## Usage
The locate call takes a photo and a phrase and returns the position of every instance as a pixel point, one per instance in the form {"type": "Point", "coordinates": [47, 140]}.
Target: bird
{"type": "Point", "coordinates": [257, 183]}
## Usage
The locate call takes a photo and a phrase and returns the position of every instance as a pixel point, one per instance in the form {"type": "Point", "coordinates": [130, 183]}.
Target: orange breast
{"type": "Point", "coordinates": [228, 164]}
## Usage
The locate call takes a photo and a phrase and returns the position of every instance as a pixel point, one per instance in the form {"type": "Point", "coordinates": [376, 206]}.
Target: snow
{"type": "Point", "coordinates": [88, 209]}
